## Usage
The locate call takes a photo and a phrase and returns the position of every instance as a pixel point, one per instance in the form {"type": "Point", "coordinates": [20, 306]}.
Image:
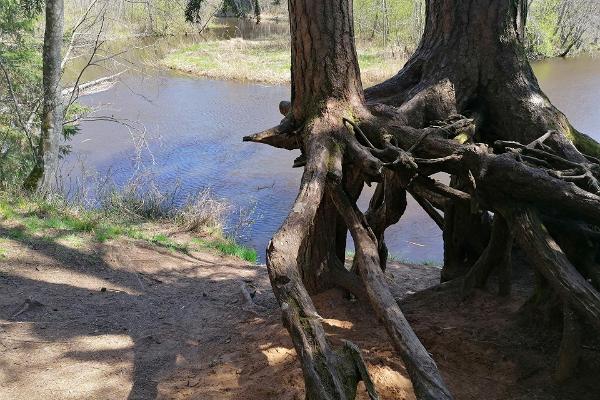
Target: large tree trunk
{"type": "Point", "coordinates": [307, 253]}
{"type": "Point", "coordinates": [470, 61]}
{"type": "Point", "coordinates": [325, 84]}
{"type": "Point", "coordinates": [43, 178]}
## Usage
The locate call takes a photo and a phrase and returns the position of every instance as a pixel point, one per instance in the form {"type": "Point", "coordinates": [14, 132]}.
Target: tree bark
{"type": "Point", "coordinates": [324, 62]}
{"type": "Point", "coordinates": [470, 61]}
{"type": "Point", "coordinates": [43, 178]}
{"type": "Point", "coordinates": [509, 148]}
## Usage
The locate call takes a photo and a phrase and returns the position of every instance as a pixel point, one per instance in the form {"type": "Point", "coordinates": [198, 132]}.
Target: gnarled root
{"type": "Point", "coordinates": [424, 374]}
{"type": "Point", "coordinates": [548, 258]}
{"type": "Point", "coordinates": [497, 255]}
{"type": "Point", "coordinates": [339, 155]}
{"type": "Point", "coordinates": [328, 374]}
{"type": "Point", "coordinates": [385, 209]}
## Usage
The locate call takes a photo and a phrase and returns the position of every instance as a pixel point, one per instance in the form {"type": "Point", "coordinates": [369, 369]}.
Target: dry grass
{"type": "Point", "coordinates": [267, 60]}
{"type": "Point", "coordinates": [202, 213]}
{"type": "Point", "coordinates": [140, 215]}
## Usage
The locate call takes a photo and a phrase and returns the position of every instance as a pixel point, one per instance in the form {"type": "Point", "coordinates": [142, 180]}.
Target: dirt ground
{"type": "Point", "coordinates": [125, 320]}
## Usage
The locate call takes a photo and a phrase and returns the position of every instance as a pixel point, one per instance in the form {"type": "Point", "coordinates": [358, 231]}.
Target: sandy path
{"type": "Point", "coordinates": [125, 320]}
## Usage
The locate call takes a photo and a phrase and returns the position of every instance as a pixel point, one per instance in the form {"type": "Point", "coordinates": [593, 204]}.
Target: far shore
{"type": "Point", "coordinates": [267, 61]}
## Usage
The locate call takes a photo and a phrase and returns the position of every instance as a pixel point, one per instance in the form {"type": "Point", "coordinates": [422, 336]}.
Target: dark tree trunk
{"type": "Point", "coordinates": [325, 83]}
{"type": "Point", "coordinates": [470, 61]}
{"type": "Point", "coordinates": [324, 61]}
{"type": "Point", "coordinates": [43, 178]}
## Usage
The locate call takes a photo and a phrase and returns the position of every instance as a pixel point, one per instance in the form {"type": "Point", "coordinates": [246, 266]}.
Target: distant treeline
{"type": "Point", "coordinates": [554, 27]}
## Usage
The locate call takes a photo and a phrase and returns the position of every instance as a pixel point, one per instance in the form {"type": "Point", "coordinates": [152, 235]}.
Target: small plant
{"type": "Point", "coordinates": [229, 247]}
{"type": "Point", "coordinates": [201, 213]}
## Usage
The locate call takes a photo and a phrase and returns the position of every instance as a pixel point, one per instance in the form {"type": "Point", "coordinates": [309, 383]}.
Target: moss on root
{"type": "Point", "coordinates": [584, 143]}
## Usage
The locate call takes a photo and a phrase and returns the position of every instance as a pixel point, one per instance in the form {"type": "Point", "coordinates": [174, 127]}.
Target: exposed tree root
{"type": "Point", "coordinates": [374, 149]}
{"type": "Point", "coordinates": [429, 209]}
{"type": "Point", "coordinates": [511, 153]}
{"type": "Point", "coordinates": [328, 374]}
{"type": "Point", "coordinates": [426, 379]}
{"type": "Point", "coordinates": [552, 263]}
{"type": "Point", "coordinates": [385, 209]}
{"type": "Point", "coordinates": [497, 255]}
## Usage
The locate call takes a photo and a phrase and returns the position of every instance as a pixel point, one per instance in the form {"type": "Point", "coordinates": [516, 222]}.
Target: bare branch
{"type": "Point", "coordinates": [281, 136]}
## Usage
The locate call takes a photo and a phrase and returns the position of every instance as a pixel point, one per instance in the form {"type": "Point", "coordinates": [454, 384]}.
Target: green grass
{"type": "Point", "coordinates": [229, 247]}
{"type": "Point", "coordinates": [164, 241]}
{"type": "Point", "coordinates": [49, 221]}
{"type": "Point", "coordinates": [266, 60]}
{"type": "Point", "coordinates": [108, 231]}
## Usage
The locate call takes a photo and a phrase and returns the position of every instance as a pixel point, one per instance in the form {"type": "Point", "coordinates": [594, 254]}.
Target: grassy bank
{"type": "Point", "coordinates": [266, 60]}
{"type": "Point", "coordinates": [23, 218]}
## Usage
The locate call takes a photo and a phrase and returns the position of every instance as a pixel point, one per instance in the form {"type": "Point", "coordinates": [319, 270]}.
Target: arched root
{"type": "Point", "coordinates": [328, 374]}
{"type": "Point", "coordinates": [425, 376]}
{"type": "Point", "coordinates": [497, 255]}
{"type": "Point", "coordinates": [548, 258]}
{"type": "Point", "coordinates": [385, 209]}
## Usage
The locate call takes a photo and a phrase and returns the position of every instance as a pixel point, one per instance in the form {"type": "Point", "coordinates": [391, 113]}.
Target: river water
{"type": "Point", "coordinates": [194, 130]}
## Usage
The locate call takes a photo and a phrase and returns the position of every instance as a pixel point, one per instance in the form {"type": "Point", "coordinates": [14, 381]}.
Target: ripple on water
{"type": "Point", "coordinates": [195, 128]}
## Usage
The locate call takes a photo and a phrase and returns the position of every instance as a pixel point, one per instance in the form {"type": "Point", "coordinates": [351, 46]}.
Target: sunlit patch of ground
{"type": "Point", "coordinates": [133, 319]}
{"type": "Point", "coordinates": [85, 367]}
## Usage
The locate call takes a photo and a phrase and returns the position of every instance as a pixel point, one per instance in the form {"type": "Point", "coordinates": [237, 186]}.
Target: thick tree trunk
{"type": "Point", "coordinates": [325, 69]}
{"type": "Point", "coordinates": [472, 50]}
{"type": "Point", "coordinates": [325, 83]}
{"type": "Point", "coordinates": [470, 61]}
{"type": "Point", "coordinates": [43, 178]}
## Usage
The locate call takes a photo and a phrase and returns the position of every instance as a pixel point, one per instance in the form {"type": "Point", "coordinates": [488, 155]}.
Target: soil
{"type": "Point", "coordinates": [126, 320]}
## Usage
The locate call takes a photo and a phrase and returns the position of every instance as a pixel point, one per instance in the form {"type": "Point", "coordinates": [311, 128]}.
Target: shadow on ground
{"type": "Point", "coordinates": [125, 320]}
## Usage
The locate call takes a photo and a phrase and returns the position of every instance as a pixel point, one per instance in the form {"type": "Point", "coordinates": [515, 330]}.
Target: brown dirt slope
{"type": "Point", "coordinates": [125, 320]}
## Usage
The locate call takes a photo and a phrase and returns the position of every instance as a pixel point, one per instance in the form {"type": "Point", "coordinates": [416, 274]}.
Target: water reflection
{"type": "Point", "coordinates": [195, 128]}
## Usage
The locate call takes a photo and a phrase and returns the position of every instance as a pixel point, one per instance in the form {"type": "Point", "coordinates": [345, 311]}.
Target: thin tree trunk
{"type": "Point", "coordinates": [43, 178]}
